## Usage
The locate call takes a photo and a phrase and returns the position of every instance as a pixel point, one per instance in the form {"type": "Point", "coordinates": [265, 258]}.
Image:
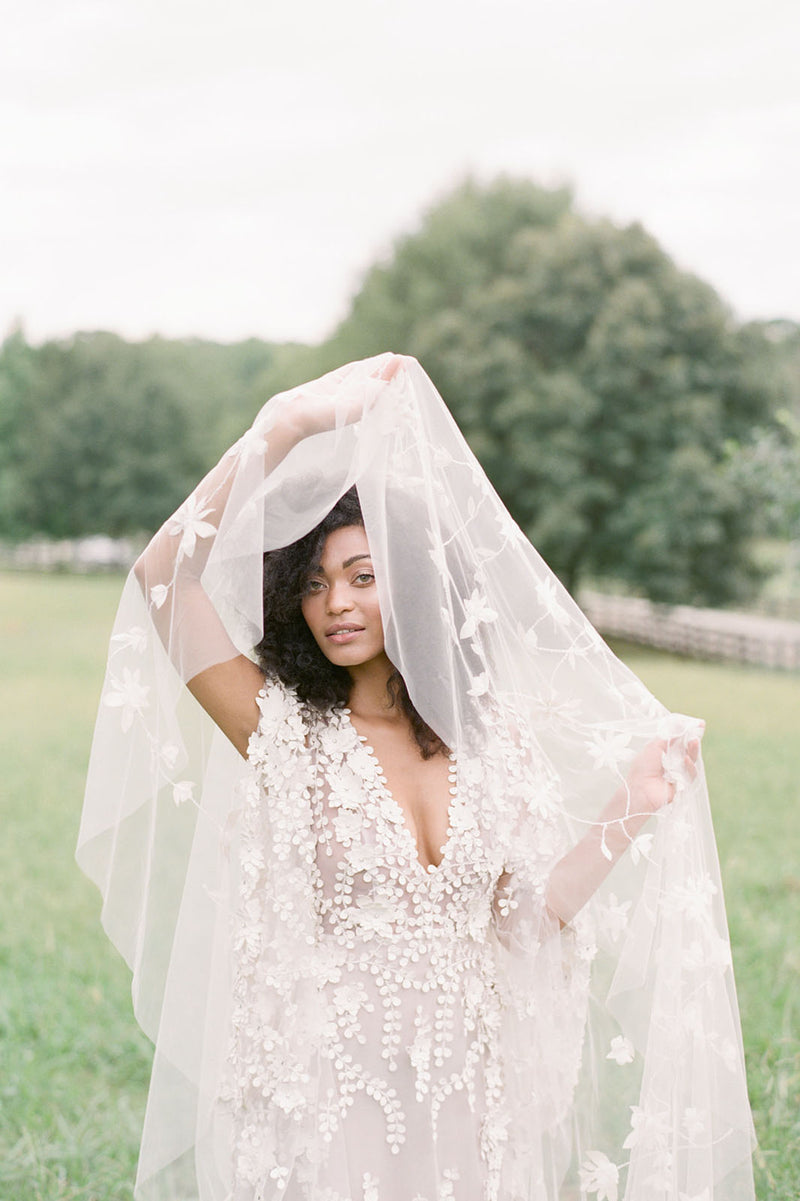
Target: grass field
{"type": "Point", "coordinates": [73, 1065]}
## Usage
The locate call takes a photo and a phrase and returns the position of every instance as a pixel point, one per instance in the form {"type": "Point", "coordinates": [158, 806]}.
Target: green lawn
{"type": "Point", "coordinates": [73, 1065]}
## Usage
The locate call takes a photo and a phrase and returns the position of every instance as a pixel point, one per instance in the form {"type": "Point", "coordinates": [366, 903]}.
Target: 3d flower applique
{"type": "Point", "coordinates": [726, 1049]}
{"type": "Point", "coordinates": [347, 825]}
{"type": "Point", "coordinates": [337, 739]}
{"type": "Point", "coordinates": [694, 898]}
{"type": "Point", "coordinates": [550, 602]}
{"type": "Point", "coordinates": [158, 594]}
{"type": "Point", "coordinates": [363, 857]}
{"type": "Point", "coordinates": [134, 639]}
{"type": "Point", "coordinates": [476, 612]}
{"type": "Point", "coordinates": [694, 1122]}
{"type": "Point", "coordinates": [508, 526]}
{"type": "Point", "coordinates": [450, 1177]}
{"type": "Point", "coordinates": [440, 456]}
{"type": "Point", "coordinates": [480, 685]}
{"type": "Point", "coordinates": [437, 553]}
{"type": "Point", "coordinates": [609, 748]}
{"type": "Point", "coordinates": [477, 917]}
{"type": "Point", "coordinates": [252, 861]}
{"type": "Point", "coordinates": [169, 753]}
{"type": "Point", "coordinates": [129, 695]}
{"type": "Point", "coordinates": [289, 1096]}
{"type": "Point", "coordinates": [369, 1187]}
{"type": "Point", "coordinates": [649, 1128]}
{"type": "Point", "coordinates": [613, 917]}
{"type": "Point", "coordinates": [272, 703]}
{"type": "Point", "coordinates": [553, 710]}
{"type": "Point", "coordinates": [188, 522]}
{"type": "Point", "coordinates": [599, 1175]}
{"type": "Point", "coordinates": [641, 847]}
{"type": "Point", "coordinates": [637, 694]}
{"type": "Point", "coordinates": [529, 637]}
{"type": "Point", "coordinates": [182, 792]}
{"type": "Point", "coordinates": [374, 915]}
{"type": "Point", "coordinates": [576, 648]}
{"type": "Point", "coordinates": [672, 762]}
{"type": "Point", "coordinates": [348, 999]}
{"type": "Point", "coordinates": [709, 952]}
{"type": "Point", "coordinates": [622, 1050]}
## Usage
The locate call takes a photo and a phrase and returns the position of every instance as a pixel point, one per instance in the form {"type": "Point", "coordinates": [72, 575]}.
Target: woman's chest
{"type": "Point", "coordinates": [371, 880]}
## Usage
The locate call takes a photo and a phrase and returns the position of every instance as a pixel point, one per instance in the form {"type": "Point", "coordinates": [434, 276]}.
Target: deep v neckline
{"type": "Point", "coordinates": [405, 832]}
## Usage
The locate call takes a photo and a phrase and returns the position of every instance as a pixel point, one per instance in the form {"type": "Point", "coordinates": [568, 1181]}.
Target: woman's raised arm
{"type": "Point", "coordinates": [578, 875]}
{"type": "Point", "coordinates": [170, 570]}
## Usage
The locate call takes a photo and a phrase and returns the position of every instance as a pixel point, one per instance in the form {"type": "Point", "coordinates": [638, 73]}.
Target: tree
{"type": "Point", "coordinates": [17, 368]}
{"type": "Point", "coordinates": [768, 465]}
{"type": "Point", "coordinates": [596, 382]}
{"type": "Point", "coordinates": [101, 435]}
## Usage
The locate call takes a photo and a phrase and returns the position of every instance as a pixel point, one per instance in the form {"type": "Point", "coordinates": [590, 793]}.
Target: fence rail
{"type": "Point", "coordinates": [701, 633]}
{"type": "Point", "coordinates": [95, 553]}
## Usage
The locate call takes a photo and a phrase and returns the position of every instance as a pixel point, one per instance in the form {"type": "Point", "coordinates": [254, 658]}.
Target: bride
{"type": "Point", "coordinates": [435, 913]}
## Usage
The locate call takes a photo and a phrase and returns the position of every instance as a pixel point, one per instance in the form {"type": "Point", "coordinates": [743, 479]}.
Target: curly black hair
{"type": "Point", "coordinates": [288, 650]}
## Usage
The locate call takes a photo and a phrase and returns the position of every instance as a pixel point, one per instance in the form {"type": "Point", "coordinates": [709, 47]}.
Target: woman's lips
{"type": "Point", "coordinates": [342, 636]}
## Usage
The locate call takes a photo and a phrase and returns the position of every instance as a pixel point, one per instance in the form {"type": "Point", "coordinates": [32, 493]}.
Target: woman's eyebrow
{"type": "Point", "coordinates": [318, 569]}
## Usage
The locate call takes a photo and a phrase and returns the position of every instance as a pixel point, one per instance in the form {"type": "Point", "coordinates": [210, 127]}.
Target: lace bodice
{"type": "Point", "coordinates": [382, 973]}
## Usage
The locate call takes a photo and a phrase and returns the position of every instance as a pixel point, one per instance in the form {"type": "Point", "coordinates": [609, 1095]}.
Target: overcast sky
{"type": "Point", "coordinates": [227, 168]}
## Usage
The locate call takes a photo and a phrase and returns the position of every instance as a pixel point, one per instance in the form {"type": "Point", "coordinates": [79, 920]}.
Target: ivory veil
{"type": "Point", "coordinates": [616, 1029]}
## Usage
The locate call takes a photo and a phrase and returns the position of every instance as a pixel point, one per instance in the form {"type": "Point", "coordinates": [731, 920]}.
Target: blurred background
{"type": "Point", "coordinates": [582, 218]}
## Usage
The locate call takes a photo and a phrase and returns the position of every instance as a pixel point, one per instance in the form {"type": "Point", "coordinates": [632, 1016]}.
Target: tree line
{"type": "Point", "coordinates": [635, 429]}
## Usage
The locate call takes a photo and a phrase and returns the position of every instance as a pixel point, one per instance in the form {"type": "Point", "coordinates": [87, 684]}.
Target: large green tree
{"type": "Point", "coordinates": [596, 381]}
{"type": "Point", "coordinates": [102, 435]}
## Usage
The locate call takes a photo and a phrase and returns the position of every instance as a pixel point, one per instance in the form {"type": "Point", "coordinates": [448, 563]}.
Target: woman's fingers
{"type": "Point", "coordinates": [390, 369]}
{"type": "Point", "coordinates": [690, 761]}
{"type": "Point", "coordinates": [677, 762]}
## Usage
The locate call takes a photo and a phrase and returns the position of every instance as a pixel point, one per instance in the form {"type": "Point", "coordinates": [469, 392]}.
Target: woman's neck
{"type": "Point", "coordinates": [369, 696]}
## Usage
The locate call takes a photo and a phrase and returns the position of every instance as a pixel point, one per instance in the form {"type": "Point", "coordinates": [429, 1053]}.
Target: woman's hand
{"type": "Point", "coordinates": [315, 413]}
{"type": "Point", "coordinates": [648, 779]}
{"type": "Point", "coordinates": [392, 366]}
{"type": "Point", "coordinates": [650, 786]}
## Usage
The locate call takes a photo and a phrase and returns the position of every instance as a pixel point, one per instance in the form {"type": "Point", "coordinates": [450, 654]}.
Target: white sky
{"type": "Point", "coordinates": [228, 168]}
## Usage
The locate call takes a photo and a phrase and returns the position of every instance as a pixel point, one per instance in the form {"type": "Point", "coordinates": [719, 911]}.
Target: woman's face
{"type": "Point", "coordinates": [340, 600]}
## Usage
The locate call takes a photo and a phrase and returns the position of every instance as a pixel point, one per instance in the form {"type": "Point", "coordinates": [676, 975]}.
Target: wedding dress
{"type": "Point", "coordinates": [406, 997]}
{"type": "Point", "coordinates": [332, 1020]}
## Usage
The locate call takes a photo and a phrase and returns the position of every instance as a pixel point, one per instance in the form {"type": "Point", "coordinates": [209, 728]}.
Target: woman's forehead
{"type": "Point", "coordinates": [343, 545]}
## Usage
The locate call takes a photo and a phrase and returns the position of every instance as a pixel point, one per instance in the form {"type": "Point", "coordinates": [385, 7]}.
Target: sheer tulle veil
{"type": "Point", "coordinates": [625, 1063]}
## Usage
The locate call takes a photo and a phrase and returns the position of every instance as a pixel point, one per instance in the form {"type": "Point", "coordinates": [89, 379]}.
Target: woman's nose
{"type": "Point", "coordinates": [339, 600]}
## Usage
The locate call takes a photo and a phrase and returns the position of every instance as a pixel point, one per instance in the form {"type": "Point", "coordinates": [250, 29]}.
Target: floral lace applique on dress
{"type": "Point", "coordinates": [368, 1006]}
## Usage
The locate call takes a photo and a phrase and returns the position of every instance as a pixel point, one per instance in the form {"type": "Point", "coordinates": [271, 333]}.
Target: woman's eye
{"type": "Point", "coordinates": [365, 577]}
{"type": "Point", "coordinates": [313, 585]}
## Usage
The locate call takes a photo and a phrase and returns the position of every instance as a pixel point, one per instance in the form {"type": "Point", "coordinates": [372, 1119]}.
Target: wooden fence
{"type": "Point", "coordinates": [701, 633]}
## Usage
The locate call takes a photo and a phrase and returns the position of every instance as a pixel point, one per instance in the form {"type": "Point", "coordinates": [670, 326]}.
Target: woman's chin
{"type": "Point", "coordinates": [350, 655]}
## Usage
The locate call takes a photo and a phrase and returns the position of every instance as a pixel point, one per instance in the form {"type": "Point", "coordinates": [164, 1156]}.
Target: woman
{"type": "Point", "coordinates": [374, 936]}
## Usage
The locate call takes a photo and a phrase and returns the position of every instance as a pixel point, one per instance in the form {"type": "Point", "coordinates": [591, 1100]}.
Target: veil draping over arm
{"type": "Point", "coordinates": [622, 1023]}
